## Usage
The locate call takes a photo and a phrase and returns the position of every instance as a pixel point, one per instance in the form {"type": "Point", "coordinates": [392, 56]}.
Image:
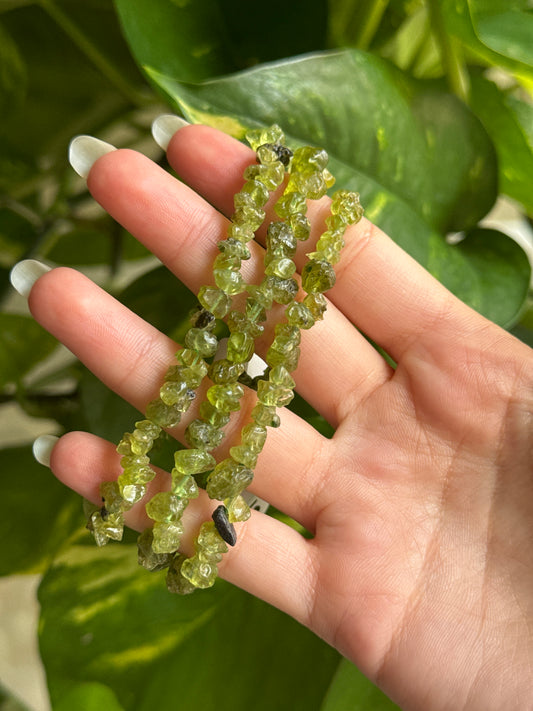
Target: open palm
{"type": "Point", "coordinates": [421, 565]}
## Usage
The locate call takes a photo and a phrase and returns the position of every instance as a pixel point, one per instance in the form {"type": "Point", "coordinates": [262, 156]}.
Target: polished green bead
{"type": "Point", "coordinates": [279, 375]}
{"type": "Point", "coordinates": [317, 276]}
{"type": "Point", "coordinates": [234, 248]}
{"type": "Point", "coordinates": [238, 509]}
{"type": "Point", "coordinates": [255, 313]}
{"type": "Point", "coordinates": [183, 485]}
{"type": "Point", "coordinates": [210, 413]}
{"type": "Point", "coordinates": [237, 321]}
{"type": "Point", "coordinates": [309, 158]}
{"type": "Point", "coordinates": [112, 498]}
{"type": "Point", "coordinates": [244, 455]}
{"type": "Point", "coordinates": [231, 282]}
{"type": "Point", "coordinates": [254, 436]}
{"type": "Point", "coordinates": [131, 489]}
{"type": "Point", "coordinates": [202, 341]}
{"type": "Point", "coordinates": [283, 290]}
{"type": "Point", "coordinates": [241, 232]}
{"type": "Point", "coordinates": [299, 315]}
{"type": "Point", "coordinates": [271, 394]}
{"type": "Point", "coordinates": [203, 435]}
{"type": "Point", "coordinates": [240, 347]}
{"type": "Point", "coordinates": [166, 536]}
{"type": "Point", "coordinates": [177, 394]}
{"type": "Point", "coordinates": [313, 185]}
{"type": "Point", "coordinates": [290, 203]}
{"type": "Point", "coordinates": [176, 582]}
{"type": "Point", "coordinates": [191, 375]}
{"type": "Point", "coordinates": [262, 294]}
{"type": "Point", "coordinates": [147, 557]}
{"type": "Point", "coordinates": [280, 235]}
{"type": "Point", "coordinates": [227, 397]}
{"type": "Point", "coordinates": [265, 415]}
{"type": "Point", "coordinates": [165, 506]}
{"type": "Point", "coordinates": [258, 136]}
{"type": "Point", "coordinates": [257, 192]}
{"type": "Point", "coordinates": [228, 479]}
{"type": "Point", "coordinates": [209, 541]}
{"type": "Point", "coordinates": [201, 574]}
{"type": "Point", "coordinates": [150, 428]}
{"type": "Point", "coordinates": [270, 174]}
{"type": "Point", "coordinates": [347, 205]}
{"type": "Point", "coordinates": [224, 371]}
{"type": "Point", "coordinates": [215, 300]}
{"type": "Point", "coordinates": [193, 461]}
{"type": "Point", "coordinates": [300, 226]}
{"type": "Point", "coordinates": [106, 526]}
{"type": "Point", "coordinates": [282, 267]}
{"type": "Point", "coordinates": [227, 261]}
{"type": "Point", "coordinates": [317, 305]}
{"type": "Point", "coordinates": [286, 337]}
{"type": "Point", "coordinates": [289, 359]}
{"type": "Point", "coordinates": [129, 444]}
{"type": "Point", "coordinates": [251, 217]}
{"type": "Point", "coordinates": [163, 415]}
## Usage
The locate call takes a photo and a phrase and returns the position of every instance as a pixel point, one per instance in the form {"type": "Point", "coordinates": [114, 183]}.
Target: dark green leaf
{"type": "Point", "coordinates": [89, 697]}
{"type": "Point", "coordinates": [414, 139]}
{"type": "Point", "coordinates": [502, 117]}
{"type": "Point", "coordinates": [81, 247]}
{"type": "Point", "coordinates": [414, 152]}
{"type": "Point", "coordinates": [162, 300]}
{"type": "Point", "coordinates": [498, 32]}
{"type": "Point", "coordinates": [39, 513]}
{"type": "Point", "coordinates": [183, 38]}
{"type": "Point", "coordinates": [351, 690]}
{"type": "Point", "coordinates": [12, 74]}
{"type": "Point", "coordinates": [23, 344]}
{"type": "Point", "coordinates": [17, 235]}
{"type": "Point", "coordinates": [506, 26]}
{"type": "Point", "coordinates": [198, 39]}
{"type": "Point", "coordinates": [105, 620]}
{"type": "Point", "coordinates": [503, 274]}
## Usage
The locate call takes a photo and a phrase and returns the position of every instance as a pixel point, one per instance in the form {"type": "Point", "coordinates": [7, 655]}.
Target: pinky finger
{"type": "Point", "coordinates": [270, 560]}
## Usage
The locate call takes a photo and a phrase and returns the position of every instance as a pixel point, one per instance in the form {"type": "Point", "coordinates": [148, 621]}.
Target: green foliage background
{"type": "Point", "coordinates": [425, 108]}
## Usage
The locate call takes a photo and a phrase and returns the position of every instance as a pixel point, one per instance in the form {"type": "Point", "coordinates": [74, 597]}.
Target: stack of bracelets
{"type": "Point", "coordinates": [225, 481]}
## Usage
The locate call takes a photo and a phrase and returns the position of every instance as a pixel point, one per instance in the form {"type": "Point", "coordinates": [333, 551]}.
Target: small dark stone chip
{"type": "Point", "coordinates": [203, 318]}
{"type": "Point", "coordinates": [283, 153]}
{"type": "Point", "coordinates": [225, 528]}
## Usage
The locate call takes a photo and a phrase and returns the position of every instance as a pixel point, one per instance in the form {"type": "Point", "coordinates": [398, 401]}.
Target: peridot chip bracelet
{"type": "Point", "coordinates": [199, 362]}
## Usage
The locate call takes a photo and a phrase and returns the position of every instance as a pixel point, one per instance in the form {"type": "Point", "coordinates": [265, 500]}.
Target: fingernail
{"type": "Point", "coordinates": [164, 127]}
{"type": "Point", "coordinates": [24, 275]}
{"type": "Point", "coordinates": [42, 448]}
{"type": "Point", "coordinates": [84, 151]}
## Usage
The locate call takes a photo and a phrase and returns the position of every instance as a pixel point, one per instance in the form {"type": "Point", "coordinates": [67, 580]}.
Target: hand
{"type": "Point", "coordinates": [421, 566]}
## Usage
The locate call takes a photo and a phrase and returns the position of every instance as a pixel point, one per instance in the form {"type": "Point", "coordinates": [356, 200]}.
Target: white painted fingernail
{"type": "Point", "coordinates": [42, 448]}
{"type": "Point", "coordinates": [24, 275]}
{"type": "Point", "coordinates": [164, 127]}
{"type": "Point", "coordinates": [84, 151]}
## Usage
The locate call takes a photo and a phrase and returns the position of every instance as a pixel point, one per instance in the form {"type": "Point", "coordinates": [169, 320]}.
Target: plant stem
{"type": "Point", "coordinates": [374, 11]}
{"type": "Point", "coordinates": [451, 55]}
{"type": "Point", "coordinates": [92, 52]}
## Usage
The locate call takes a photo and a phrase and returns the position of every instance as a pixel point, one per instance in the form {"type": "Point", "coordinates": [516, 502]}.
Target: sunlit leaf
{"type": "Point", "coordinates": [106, 620]}
{"type": "Point", "coordinates": [507, 121]}
{"type": "Point", "coordinates": [89, 697]}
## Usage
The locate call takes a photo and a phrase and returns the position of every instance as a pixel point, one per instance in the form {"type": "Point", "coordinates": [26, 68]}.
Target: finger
{"type": "Point", "coordinates": [270, 559]}
{"type": "Point", "coordinates": [131, 357]}
{"type": "Point", "coordinates": [379, 287]}
{"type": "Point", "coordinates": [182, 229]}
